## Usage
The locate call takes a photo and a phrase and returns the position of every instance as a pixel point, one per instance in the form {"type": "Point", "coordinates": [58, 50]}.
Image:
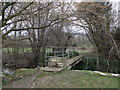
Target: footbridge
{"type": "Point", "coordinates": [69, 63]}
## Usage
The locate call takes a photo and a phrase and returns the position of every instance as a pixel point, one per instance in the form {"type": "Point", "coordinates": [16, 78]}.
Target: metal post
{"type": "Point", "coordinates": [72, 51]}
{"type": "Point", "coordinates": [63, 53]}
{"type": "Point", "coordinates": [45, 57]}
{"type": "Point", "coordinates": [68, 54]}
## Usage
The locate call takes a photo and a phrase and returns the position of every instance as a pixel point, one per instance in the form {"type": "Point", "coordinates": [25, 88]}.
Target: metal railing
{"type": "Point", "coordinates": [50, 53]}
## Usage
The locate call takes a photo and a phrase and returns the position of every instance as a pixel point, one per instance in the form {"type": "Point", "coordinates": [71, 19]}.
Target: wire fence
{"type": "Point", "coordinates": [59, 51]}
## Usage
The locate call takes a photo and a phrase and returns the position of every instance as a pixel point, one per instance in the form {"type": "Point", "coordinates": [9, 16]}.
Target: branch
{"type": "Point", "coordinates": [12, 16]}
{"type": "Point", "coordinates": [4, 23]}
{"type": "Point", "coordinates": [15, 21]}
{"type": "Point", "coordinates": [4, 35]}
{"type": "Point", "coordinates": [83, 26]}
{"type": "Point", "coordinates": [4, 8]}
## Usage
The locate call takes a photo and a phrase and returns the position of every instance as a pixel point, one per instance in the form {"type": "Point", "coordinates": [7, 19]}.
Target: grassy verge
{"type": "Point", "coordinates": [79, 79]}
{"type": "Point", "coordinates": [70, 79]}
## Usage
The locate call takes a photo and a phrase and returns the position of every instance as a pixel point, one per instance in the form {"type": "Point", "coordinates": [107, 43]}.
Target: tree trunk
{"type": "Point", "coordinates": [107, 50]}
{"type": "Point", "coordinates": [34, 62]}
{"type": "Point", "coordinates": [42, 58]}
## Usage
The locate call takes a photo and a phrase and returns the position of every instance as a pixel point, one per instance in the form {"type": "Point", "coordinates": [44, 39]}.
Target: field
{"type": "Point", "coordinates": [30, 50]}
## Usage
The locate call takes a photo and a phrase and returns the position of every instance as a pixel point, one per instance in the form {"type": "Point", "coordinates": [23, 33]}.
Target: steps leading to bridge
{"type": "Point", "coordinates": [68, 64]}
{"type": "Point", "coordinates": [52, 69]}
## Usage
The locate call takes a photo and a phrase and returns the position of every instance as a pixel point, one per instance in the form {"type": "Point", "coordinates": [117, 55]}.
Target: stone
{"type": "Point", "coordinates": [52, 62]}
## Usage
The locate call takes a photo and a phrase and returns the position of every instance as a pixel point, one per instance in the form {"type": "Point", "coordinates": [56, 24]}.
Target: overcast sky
{"type": "Point", "coordinates": [114, 0]}
{"type": "Point", "coordinates": [88, 0]}
{"type": "Point", "coordinates": [77, 29]}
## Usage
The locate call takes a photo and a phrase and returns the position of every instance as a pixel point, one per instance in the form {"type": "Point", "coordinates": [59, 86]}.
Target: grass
{"type": "Point", "coordinates": [19, 74]}
{"type": "Point", "coordinates": [47, 49]}
{"type": "Point", "coordinates": [86, 45]}
{"type": "Point", "coordinates": [25, 49]}
{"type": "Point", "coordinates": [43, 75]}
{"type": "Point", "coordinates": [20, 50]}
{"type": "Point", "coordinates": [118, 51]}
{"type": "Point", "coordinates": [79, 79]}
{"type": "Point", "coordinates": [69, 79]}
{"type": "Point", "coordinates": [25, 72]}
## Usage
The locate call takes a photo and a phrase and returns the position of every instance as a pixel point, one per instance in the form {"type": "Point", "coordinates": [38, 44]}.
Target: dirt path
{"type": "Point", "coordinates": [35, 81]}
{"type": "Point", "coordinates": [26, 82]}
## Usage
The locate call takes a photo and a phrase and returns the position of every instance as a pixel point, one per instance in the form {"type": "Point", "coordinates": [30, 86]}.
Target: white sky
{"type": "Point", "coordinates": [59, 0]}
{"type": "Point", "coordinates": [77, 29]}
{"type": "Point", "coordinates": [86, 0]}
{"type": "Point", "coordinates": [114, 0]}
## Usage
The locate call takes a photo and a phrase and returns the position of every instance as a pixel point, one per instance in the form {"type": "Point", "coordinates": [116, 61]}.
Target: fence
{"type": "Point", "coordinates": [58, 51]}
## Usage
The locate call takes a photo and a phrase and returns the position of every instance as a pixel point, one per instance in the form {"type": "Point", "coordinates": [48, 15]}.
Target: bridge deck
{"type": "Point", "coordinates": [73, 60]}
{"type": "Point", "coordinates": [69, 63]}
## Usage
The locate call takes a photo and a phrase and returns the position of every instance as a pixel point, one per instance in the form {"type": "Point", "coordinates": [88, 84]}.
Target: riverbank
{"type": "Point", "coordinates": [64, 79]}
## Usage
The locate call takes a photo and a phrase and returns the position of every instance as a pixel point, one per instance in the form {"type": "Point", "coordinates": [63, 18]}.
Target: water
{"type": "Point", "coordinates": [8, 70]}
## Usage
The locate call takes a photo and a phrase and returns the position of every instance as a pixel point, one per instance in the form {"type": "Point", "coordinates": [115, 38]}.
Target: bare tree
{"type": "Point", "coordinates": [97, 19]}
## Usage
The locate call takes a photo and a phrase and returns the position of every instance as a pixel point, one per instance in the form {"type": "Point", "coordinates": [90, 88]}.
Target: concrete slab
{"type": "Point", "coordinates": [52, 69]}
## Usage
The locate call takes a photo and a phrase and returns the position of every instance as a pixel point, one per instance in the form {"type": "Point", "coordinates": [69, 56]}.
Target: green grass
{"type": "Point", "coordinates": [86, 45]}
{"type": "Point", "coordinates": [79, 79]}
{"type": "Point", "coordinates": [43, 75]}
{"type": "Point", "coordinates": [118, 51]}
{"type": "Point", "coordinates": [68, 79]}
{"type": "Point", "coordinates": [25, 72]}
{"type": "Point", "coordinates": [47, 50]}
{"type": "Point", "coordinates": [20, 50]}
{"type": "Point", "coordinates": [25, 49]}
{"type": "Point", "coordinates": [5, 49]}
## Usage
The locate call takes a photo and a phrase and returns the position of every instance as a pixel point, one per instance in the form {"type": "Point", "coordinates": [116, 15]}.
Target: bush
{"type": "Point", "coordinates": [90, 64]}
{"type": "Point", "coordinates": [5, 82]}
{"type": "Point", "coordinates": [86, 64]}
{"type": "Point", "coordinates": [75, 53]}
